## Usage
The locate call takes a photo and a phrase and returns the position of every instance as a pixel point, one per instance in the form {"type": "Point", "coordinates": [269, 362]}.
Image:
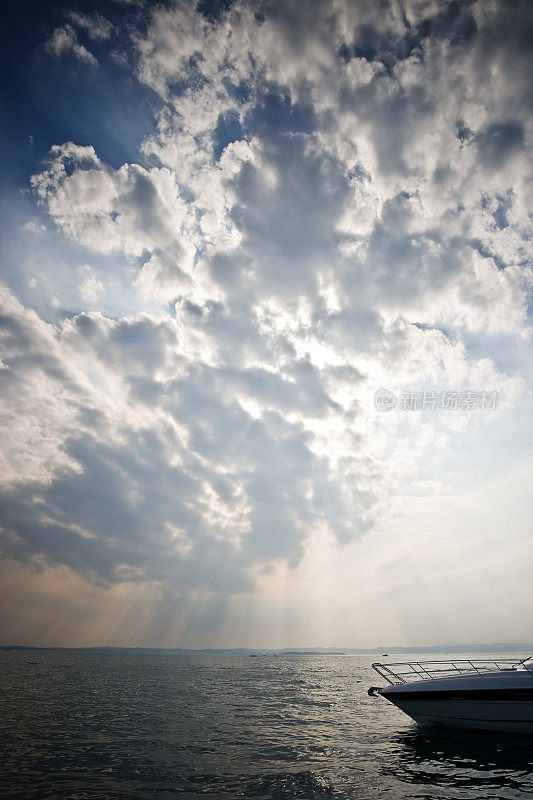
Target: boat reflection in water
{"type": "Point", "coordinates": [496, 765]}
{"type": "Point", "coordinates": [491, 695]}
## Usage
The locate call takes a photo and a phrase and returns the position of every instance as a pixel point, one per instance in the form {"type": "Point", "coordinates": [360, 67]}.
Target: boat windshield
{"type": "Point", "coordinates": [528, 663]}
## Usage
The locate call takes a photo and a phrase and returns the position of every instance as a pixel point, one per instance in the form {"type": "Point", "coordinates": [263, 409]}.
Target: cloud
{"type": "Point", "coordinates": [91, 289]}
{"type": "Point", "coordinates": [64, 40]}
{"type": "Point", "coordinates": [96, 25]}
{"type": "Point", "coordinates": [499, 141]}
{"type": "Point", "coordinates": [420, 194]}
{"type": "Point", "coordinates": [335, 197]}
{"type": "Point", "coordinates": [147, 465]}
{"type": "Point", "coordinates": [131, 208]}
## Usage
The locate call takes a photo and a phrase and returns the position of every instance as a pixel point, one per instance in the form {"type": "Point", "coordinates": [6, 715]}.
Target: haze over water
{"type": "Point", "coordinates": [108, 725]}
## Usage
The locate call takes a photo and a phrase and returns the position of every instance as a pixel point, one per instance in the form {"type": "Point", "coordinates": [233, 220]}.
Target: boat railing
{"type": "Point", "coordinates": [407, 671]}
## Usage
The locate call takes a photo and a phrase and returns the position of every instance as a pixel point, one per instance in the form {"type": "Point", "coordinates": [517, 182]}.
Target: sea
{"type": "Point", "coordinates": [111, 725]}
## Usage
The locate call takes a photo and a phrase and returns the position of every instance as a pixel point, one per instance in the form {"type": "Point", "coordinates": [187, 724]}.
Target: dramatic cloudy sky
{"type": "Point", "coordinates": [225, 227]}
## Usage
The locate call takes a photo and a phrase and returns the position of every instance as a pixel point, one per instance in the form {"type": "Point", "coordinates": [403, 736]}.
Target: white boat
{"type": "Point", "coordinates": [495, 695]}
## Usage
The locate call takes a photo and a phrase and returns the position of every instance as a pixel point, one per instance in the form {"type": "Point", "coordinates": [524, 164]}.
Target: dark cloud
{"type": "Point", "coordinates": [287, 225]}
{"type": "Point", "coordinates": [499, 142]}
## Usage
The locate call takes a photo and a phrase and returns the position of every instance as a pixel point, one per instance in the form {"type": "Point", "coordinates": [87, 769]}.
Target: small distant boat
{"type": "Point", "coordinates": [492, 695]}
{"type": "Point", "coordinates": [253, 655]}
{"type": "Point", "coordinates": [385, 655]}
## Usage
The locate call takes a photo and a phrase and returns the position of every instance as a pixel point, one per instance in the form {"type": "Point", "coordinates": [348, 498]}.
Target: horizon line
{"type": "Point", "coordinates": [451, 647]}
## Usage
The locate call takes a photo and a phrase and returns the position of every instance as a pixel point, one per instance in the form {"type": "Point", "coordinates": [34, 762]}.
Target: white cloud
{"type": "Point", "coordinates": [33, 226]}
{"type": "Point", "coordinates": [91, 289]}
{"type": "Point", "coordinates": [134, 210]}
{"type": "Point", "coordinates": [96, 25]}
{"type": "Point", "coordinates": [65, 40]}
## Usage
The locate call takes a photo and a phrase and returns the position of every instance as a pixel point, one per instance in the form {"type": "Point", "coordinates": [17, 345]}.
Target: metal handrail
{"type": "Point", "coordinates": [424, 670]}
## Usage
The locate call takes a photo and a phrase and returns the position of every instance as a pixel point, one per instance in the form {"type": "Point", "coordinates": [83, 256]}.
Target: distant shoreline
{"type": "Point", "coordinates": [498, 647]}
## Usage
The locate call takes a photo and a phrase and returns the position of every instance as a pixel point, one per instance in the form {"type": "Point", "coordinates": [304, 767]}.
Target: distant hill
{"type": "Point", "coordinates": [441, 649]}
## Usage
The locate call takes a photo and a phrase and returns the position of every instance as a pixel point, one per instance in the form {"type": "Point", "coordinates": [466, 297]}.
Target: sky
{"type": "Point", "coordinates": [265, 331]}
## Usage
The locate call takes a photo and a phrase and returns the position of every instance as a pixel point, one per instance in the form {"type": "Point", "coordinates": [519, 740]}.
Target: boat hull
{"type": "Point", "coordinates": [500, 703]}
{"type": "Point", "coordinates": [509, 717]}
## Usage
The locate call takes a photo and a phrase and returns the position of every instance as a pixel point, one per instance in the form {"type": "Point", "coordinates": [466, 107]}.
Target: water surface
{"type": "Point", "coordinates": [106, 725]}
